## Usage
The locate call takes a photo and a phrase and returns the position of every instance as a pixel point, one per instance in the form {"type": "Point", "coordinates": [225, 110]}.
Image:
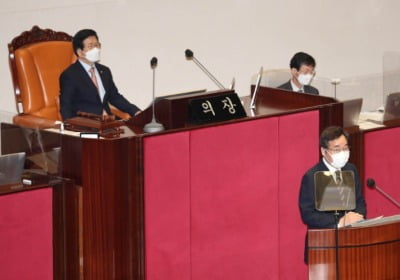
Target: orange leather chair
{"type": "Point", "coordinates": [37, 58]}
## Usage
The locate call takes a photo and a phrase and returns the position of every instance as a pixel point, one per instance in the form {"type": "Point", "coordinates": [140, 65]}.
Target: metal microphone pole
{"type": "Point", "coordinates": [387, 196]}
{"type": "Point", "coordinates": [371, 184]}
{"type": "Point", "coordinates": [256, 86]}
{"type": "Point", "coordinates": [335, 82]}
{"type": "Point", "coordinates": [153, 126]}
{"type": "Point", "coordinates": [190, 56]}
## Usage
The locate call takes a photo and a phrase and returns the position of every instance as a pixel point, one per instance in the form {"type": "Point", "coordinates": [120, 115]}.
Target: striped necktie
{"type": "Point", "coordinates": [93, 77]}
{"type": "Point", "coordinates": [338, 177]}
{"type": "Point", "coordinates": [94, 80]}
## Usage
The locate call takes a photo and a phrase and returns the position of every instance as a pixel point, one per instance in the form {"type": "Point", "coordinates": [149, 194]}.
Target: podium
{"type": "Point", "coordinates": [371, 252]}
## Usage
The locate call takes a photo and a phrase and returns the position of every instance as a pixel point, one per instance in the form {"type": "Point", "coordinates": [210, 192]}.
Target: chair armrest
{"type": "Point", "coordinates": [119, 114]}
{"type": "Point", "coordinates": [33, 121]}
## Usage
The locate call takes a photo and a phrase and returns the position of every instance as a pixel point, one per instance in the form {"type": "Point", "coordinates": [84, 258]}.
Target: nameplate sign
{"type": "Point", "coordinates": [223, 107]}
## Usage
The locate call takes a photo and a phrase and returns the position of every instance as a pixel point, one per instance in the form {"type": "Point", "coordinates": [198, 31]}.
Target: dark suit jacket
{"type": "Point", "coordinates": [317, 219]}
{"type": "Point", "coordinates": [78, 93]}
{"type": "Point", "coordinates": [307, 89]}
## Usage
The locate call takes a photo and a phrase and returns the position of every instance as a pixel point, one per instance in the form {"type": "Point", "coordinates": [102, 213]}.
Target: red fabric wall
{"type": "Point", "coordinates": [382, 163]}
{"type": "Point", "coordinates": [221, 202]}
{"type": "Point", "coordinates": [233, 179]}
{"type": "Point", "coordinates": [167, 206]}
{"type": "Point", "coordinates": [26, 249]}
{"type": "Point", "coordinates": [298, 151]}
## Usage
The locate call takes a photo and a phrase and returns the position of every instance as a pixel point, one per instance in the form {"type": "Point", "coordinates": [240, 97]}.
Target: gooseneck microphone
{"type": "Point", "coordinates": [190, 56]}
{"type": "Point", "coordinates": [371, 184]}
{"type": "Point", "coordinates": [256, 87]}
{"type": "Point", "coordinates": [153, 126]}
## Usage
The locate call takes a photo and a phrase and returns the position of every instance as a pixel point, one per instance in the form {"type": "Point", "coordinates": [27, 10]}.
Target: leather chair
{"type": "Point", "coordinates": [37, 57]}
{"type": "Point", "coordinates": [273, 77]}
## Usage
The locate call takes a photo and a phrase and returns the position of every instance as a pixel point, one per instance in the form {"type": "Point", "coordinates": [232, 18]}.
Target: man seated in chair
{"type": "Point", "coordinates": [302, 67]}
{"type": "Point", "coordinates": [87, 86]}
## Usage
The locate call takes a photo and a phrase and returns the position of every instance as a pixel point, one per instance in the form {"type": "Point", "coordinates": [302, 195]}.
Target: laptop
{"type": "Point", "coordinates": [392, 107]}
{"type": "Point", "coordinates": [391, 111]}
{"type": "Point", "coordinates": [351, 111]}
{"type": "Point", "coordinates": [11, 168]}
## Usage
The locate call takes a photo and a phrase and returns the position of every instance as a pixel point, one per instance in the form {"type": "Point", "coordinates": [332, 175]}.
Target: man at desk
{"type": "Point", "coordinates": [302, 68]}
{"type": "Point", "coordinates": [335, 154]}
{"type": "Point", "coordinates": [88, 86]}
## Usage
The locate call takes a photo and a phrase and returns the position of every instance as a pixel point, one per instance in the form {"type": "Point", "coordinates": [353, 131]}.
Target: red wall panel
{"type": "Point", "coordinates": [382, 163]}
{"type": "Point", "coordinates": [167, 206]}
{"type": "Point", "coordinates": [298, 151]}
{"type": "Point", "coordinates": [26, 226]}
{"type": "Point", "coordinates": [234, 207]}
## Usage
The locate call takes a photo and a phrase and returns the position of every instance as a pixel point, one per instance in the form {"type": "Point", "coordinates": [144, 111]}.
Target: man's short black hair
{"type": "Point", "coordinates": [80, 36]}
{"type": "Point", "coordinates": [301, 58]}
{"type": "Point", "coordinates": [331, 133]}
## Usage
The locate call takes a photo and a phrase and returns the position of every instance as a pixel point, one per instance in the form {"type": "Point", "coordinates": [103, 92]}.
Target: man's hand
{"type": "Point", "coordinates": [350, 218]}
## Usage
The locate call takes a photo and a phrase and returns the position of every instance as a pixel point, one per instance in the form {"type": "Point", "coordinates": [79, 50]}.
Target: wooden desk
{"type": "Point", "coordinates": [364, 253]}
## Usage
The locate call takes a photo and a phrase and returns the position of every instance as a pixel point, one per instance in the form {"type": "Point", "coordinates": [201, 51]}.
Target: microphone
{"type": "Point", "coordinates": [153, 126]}
{"type": "Point", "coordinates": [189, 56]}
{"type": "Point", "coordinates": [372, 185]}
{"type": "Point", "coordinates": [233, 83]}
{"type": "Point", "coordinates": [256, 87]}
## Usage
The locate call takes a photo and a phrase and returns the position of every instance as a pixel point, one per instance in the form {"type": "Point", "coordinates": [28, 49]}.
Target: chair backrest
{"type": "Point", "coordinates": [273, 77]}
{"type": "Point", "coordinates": [37, 58]}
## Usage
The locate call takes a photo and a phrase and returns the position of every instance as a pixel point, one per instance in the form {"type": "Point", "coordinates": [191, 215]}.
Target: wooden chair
{"type": "Point", "coordinates": [37, 57]}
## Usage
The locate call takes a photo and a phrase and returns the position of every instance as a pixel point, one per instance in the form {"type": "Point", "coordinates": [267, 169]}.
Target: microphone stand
{"type": "Point", "coordinates": [371, 184]}
{"type": "Point", "coordinates": [335, 82]}
{"type": "Point", "coordinates": [387, 196]}
{"type": "Point", "coordinates": [153, 126]}
{"type": "Point", "coordinates": [190, 56]}
{"type": "Point", "coordinates": [257, 85]}
{"type": "Point", "coordinates": [337, 244]}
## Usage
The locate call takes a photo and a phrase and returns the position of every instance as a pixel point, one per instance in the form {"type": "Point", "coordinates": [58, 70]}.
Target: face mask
{"type": "Point", "coordinates": [340, 159]}
{"type": "Point", "coordinates": [93, 55]}
{"type": "Point", "coordinates": [305, 79]}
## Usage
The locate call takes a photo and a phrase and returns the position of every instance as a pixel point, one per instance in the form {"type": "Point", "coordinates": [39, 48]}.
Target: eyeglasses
{"type": "Point", "coordinates": [306, 70]}
{"type": "Point", "coordinates": [338, 150]}
{"type": "Point", "coordinates": [312, 73]}
{"type": "Point", "coordinates": [92, 46]}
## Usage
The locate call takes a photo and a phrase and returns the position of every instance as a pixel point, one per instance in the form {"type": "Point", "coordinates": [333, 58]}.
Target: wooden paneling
{"type": "Point", "coordinates": [364, 253]}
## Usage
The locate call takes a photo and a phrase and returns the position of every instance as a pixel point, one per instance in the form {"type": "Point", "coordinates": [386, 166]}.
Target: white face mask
{"type": "Point", "coordinates": [93, 55]}
{"type": "Point", "coordinates": [305, 79]}
{"type": "Point", "coordinates": [340, 159]}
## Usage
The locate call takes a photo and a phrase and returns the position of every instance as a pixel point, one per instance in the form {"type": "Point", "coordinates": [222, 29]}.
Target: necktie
{"type": "Point", "coordinates": [301, 90]}
{"type": "Point", "coordinates": [338, 177]}
{"type": "Point", "coordinates": [94, 80]}
{"type": "Point", "coordinates": [93, 77]}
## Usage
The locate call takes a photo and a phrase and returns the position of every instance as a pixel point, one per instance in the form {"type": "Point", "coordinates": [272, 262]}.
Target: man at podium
{"type": "Point", "coordinates": [335, 154]}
